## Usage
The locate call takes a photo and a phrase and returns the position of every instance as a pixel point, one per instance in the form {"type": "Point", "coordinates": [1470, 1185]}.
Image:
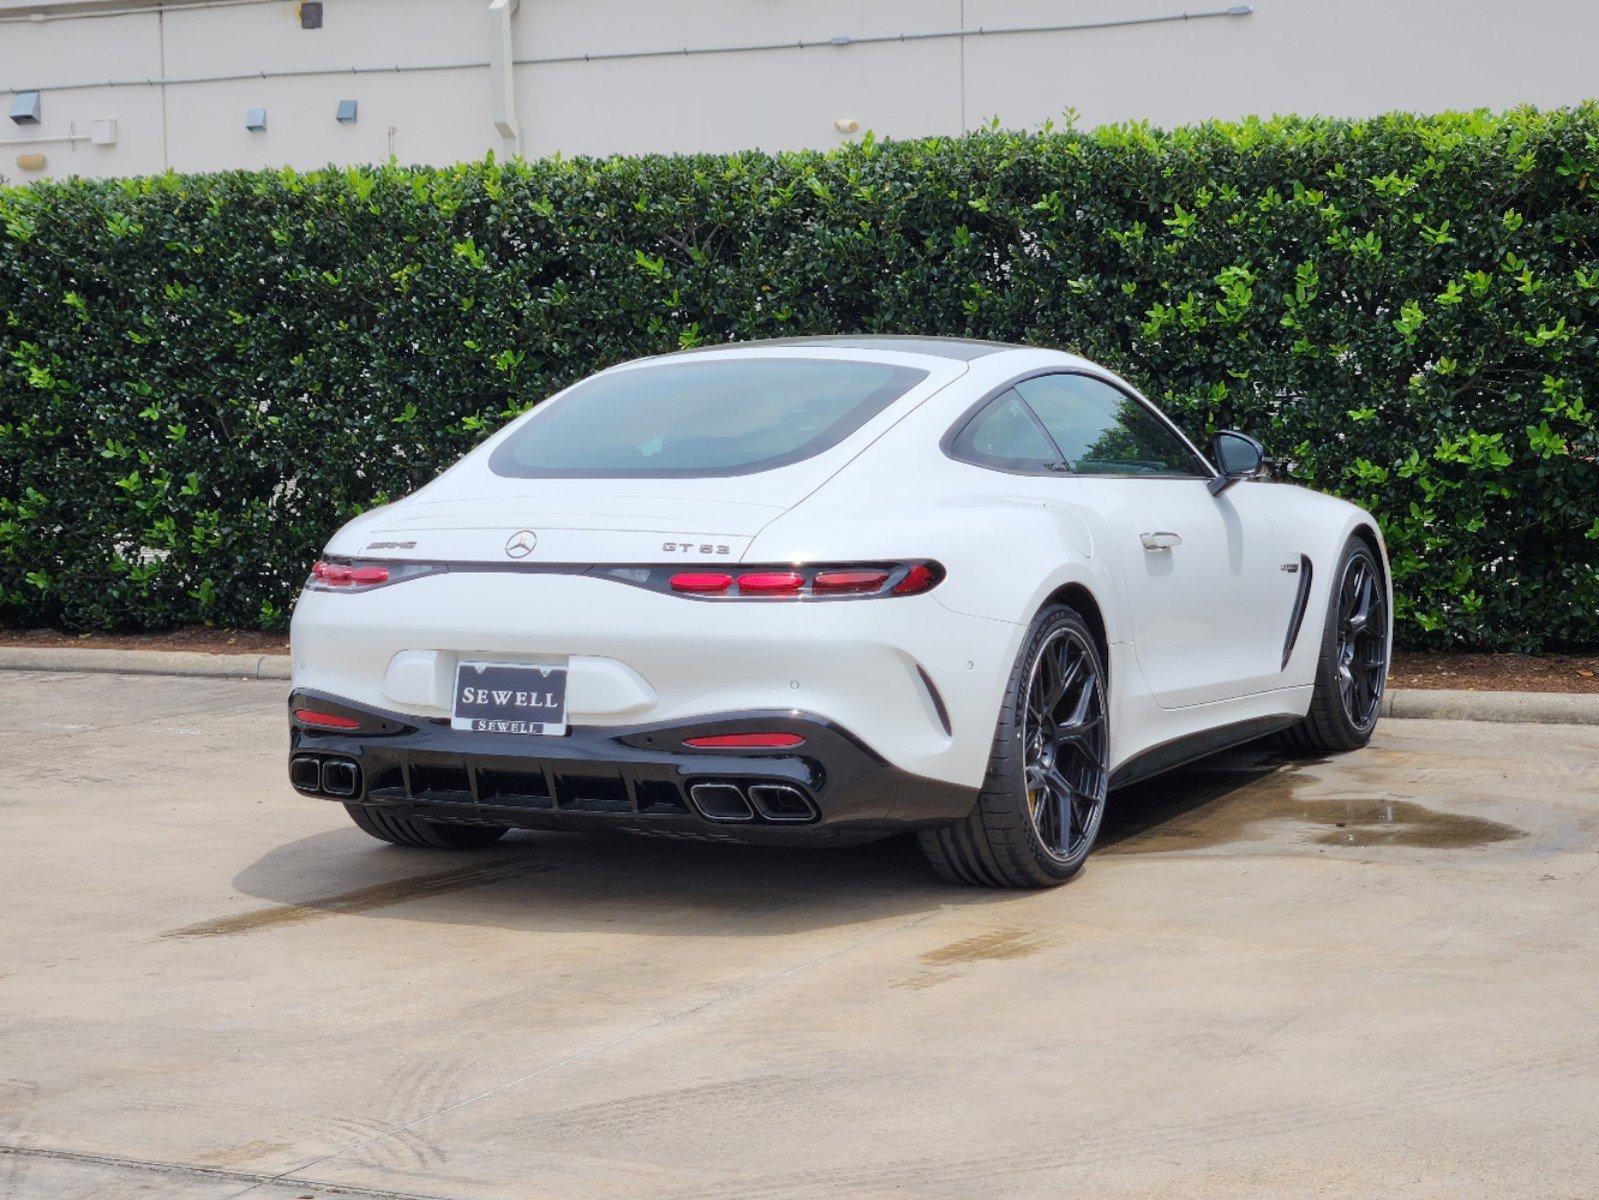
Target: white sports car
{"type": "Point", "coordinates": [830, 589]}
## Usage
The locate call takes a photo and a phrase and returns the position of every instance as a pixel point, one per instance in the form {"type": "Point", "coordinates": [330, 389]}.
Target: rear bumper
{"type": "Point", "coordinates": [916, 682]}
{"type": "Point", "coordinates": [640, 778]}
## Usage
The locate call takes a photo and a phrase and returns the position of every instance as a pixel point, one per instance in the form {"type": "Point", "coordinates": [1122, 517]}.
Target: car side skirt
{"type": "Point", "coordinates": [1166, 756]}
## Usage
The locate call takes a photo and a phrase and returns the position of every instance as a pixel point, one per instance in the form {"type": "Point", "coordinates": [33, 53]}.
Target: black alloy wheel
{"type": "Point", "coordinates": [1043, 795]}
{"type": "Point", "coordinates": [1352, 667]}
{"type": "Point", "coordinates": [1065, 736]}
{"type": "Point", "coordinates": [1362, 641]}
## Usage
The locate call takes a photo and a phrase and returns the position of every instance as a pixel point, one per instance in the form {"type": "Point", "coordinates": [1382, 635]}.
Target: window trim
{"type": "Point", "coordinates": [992, 403]}
{"type": "Point", "coordinates": [947, 442]}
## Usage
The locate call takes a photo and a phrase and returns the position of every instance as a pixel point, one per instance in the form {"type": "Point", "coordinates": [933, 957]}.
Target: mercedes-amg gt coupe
{"type": "Point", "coordinates": [830, 589]}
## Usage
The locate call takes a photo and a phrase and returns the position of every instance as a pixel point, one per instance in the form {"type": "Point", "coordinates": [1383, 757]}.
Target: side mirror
{"type": "Point", "coordinates": [1237, 456]}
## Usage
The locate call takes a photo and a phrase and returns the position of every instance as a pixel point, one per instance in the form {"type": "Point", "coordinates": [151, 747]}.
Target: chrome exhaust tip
{"type": "Point", "coordinates": [305, 773]}
{"type": "Point", "coordinates": [340, 777]}
{"type": "Point", "coordinates": [781, 802]}
{"type": "Point", "coordinates": [720, 802]}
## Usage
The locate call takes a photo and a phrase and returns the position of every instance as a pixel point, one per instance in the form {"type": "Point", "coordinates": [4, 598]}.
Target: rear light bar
{"type": "Point", "coordinates": [826, 582]}
{"type": "Point", "coordinates": [349, 575]}
{"type": "Point", "coordinates": [788, 581]}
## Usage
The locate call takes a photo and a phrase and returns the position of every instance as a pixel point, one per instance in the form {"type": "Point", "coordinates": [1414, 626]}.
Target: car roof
{"type": "Point", "coordinates": [959, 349]}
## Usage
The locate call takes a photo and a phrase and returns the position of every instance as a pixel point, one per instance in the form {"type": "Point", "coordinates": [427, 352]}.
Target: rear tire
{"type": "Point", "coordinates": [1353, 668]}
{"type": "Point", "coordinates": [1039, 811]}
{"type": "Point", "coordinates": [425, 835]}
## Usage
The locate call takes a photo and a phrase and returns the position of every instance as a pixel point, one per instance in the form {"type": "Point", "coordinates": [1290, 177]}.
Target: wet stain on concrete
{"type": "Point", "coordinates": [922, 979]}
{"type": "Point", "coordinates": [995, 943]}
{"type": "Point", "coordinates": [246, 1152]}
{"type": "Point", "coordinates": [1231, 803]}
{"type": "Point", "coordinates": [1403, 823]}
{"type": "Point", "coordinates": [988, 946]}
{"type": "Point", "coordinates": [360, 900]}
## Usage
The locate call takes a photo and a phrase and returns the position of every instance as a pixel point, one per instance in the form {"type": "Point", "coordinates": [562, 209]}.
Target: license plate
{"type": "Point", "coordinates": [495, 697]}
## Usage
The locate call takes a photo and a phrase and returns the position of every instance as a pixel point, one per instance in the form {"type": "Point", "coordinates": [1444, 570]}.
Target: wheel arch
{"type": "Point", "coordinates": [1080, 598]}
{"type": "Point", "coordinates": [1366, 531]}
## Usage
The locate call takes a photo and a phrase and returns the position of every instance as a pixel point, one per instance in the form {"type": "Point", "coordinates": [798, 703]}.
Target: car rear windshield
{"type": "Point", "coordinates": [721, 417]}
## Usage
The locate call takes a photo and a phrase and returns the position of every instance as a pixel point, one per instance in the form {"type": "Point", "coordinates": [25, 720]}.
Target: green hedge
{"type": "Point", "coordinates": [202, 376]}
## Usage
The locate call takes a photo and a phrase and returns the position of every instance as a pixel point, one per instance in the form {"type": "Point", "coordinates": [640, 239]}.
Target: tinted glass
{"type": "Point", "coordinates": [727, 417]}
{"type": "Point", "coordinates": [1238, 457]}
{"type": "Point", "coordinates": [1005, 435]}
{"type": "Point", "coordinates": [1103, 431]}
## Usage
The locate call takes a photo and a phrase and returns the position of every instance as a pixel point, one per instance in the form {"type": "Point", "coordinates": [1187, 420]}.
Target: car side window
{"type": "Point", "coordinates": [1101, 430]}
{"type": "Point", "coordinates": [1007, 436]}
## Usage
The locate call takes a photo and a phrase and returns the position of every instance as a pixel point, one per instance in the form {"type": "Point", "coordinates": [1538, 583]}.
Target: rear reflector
{"type": "Point", "coordinates": [701, 581]}
{"type": "Point", "coordinates": [310, 716]}
{"type": "Point", "coordinates": [745, 741]}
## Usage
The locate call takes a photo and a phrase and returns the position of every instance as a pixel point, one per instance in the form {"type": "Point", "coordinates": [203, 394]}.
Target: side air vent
{"type": "Point", "coordinates": [937, 698]}
{"type": "Point", "coordinates": [1297, 617]}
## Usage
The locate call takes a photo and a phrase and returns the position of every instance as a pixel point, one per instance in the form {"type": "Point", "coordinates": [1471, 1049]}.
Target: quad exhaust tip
{"type": "Point", "coordinates": [728, 802]}
{"type": "Point", "coordinates": [780, 802]}
{"type": "Point", "coordinates": [325, 776]}
{"type": "Point", "coordinates": [340, 777]}
{"type": "Point", "coordinates": [721, 802]}
{"type": "Point", "coordinates": [305, 773]}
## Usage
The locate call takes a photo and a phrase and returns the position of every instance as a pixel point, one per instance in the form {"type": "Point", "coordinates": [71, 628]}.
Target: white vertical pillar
{"type": "Point", "coordinates": [502, 76]}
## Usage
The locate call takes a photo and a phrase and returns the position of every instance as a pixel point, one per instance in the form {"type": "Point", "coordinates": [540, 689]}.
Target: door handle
{"type": "Point", "coordinates": [1160, 540]}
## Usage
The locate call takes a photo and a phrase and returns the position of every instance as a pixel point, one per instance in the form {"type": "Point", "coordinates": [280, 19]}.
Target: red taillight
{"type": "Point", "coordinates": [837, 583]}
{"type": "Point", "coordinates": [360, 576]}
{"type": "Point", "coordinates": [745, 741]}
{"type": "Point", "coordinates": [771, 583]}
{"type": "Point", "coordinates": [337, 574]}
{"type": "Point", "coordinates": [780, 581]}
{"type": "Point", "coordinates": [917, 580]}
{"type": "Point", "coordinates": [701, 581]}
{"type": "Point", "coordinates": [310, 716]}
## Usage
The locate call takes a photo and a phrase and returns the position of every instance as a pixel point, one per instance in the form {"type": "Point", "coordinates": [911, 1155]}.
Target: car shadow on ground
{"type": "Point", "coordinates": [575, 882]}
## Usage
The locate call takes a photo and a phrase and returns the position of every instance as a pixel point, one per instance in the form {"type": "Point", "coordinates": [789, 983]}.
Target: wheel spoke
{"type": "Point", "coordinates": [1065, 676]}
{"type": "Point", "coordinates": [1085, 813]}
{"type": "Point", "coordinates": [1057, 782]}
{"type": "Point", "coordinates": [1079, 737]}
{"type": "Point", "coordinates": [1085, 697]}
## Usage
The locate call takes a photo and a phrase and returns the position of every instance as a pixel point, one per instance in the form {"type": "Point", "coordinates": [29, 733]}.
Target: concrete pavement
{"type": "Point", "coordinates": [1372, 975]}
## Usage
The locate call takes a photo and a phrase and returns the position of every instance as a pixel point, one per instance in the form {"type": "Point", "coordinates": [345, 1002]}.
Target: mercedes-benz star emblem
{"type": "Point", "coordinates": [521, 543]}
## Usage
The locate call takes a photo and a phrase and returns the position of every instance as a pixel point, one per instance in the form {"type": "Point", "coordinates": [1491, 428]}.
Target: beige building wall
{"type": "Point", "coordinates": [726, 74]}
